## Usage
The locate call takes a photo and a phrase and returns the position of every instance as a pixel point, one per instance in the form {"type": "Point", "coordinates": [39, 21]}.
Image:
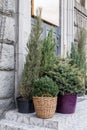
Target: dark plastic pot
{"type": "Point", "coordinates": [66, 104]}
{"type": "Point", "coordinates": [25, 106]}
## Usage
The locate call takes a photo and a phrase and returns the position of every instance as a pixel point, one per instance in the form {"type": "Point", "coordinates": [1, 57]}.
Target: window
{"type": "Point", "coordinates": [50, 10]}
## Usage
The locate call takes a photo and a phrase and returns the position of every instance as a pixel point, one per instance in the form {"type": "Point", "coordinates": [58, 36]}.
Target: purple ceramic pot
{"type": "Point", "coordinates": [66, 104]}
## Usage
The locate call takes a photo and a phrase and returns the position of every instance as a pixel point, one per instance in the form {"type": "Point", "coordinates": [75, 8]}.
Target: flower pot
{"type": "Point", "coordinates": [45, 106]}
{"type": "Point", "coordinates": [66, 103]}
{"type": "Point", "coordinates": [25, 106]}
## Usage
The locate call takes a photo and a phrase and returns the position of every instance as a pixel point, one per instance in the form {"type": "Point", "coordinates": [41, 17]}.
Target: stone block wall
{"type": "Point", "coordinates": [80, 19]}
{"type": "Point", "coordinates": [15, 16]}
{"type": "Point", "coordinates": [7, 73]}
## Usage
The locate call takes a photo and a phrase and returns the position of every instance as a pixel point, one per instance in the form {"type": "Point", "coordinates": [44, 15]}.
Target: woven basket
{"type": "Point", "coordinates": [45, 106]}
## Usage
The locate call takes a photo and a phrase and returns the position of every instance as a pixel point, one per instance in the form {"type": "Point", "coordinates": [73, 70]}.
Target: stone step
{"type": "Point", "coordinates": [11, 125]}
{"type": "Point", "coordinates": [58, 122]}
{"type": "Point", "coordinates": [31, 119]}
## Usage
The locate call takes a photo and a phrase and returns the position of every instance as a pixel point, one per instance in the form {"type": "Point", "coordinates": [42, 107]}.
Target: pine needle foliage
{"type": "Point", "coordinates": [75, 59]}
{"type": "Point", "coordinates": [82, 47]}
{"type": "Point", "coordinates": [45, 87]}
{"type": "Point", "coordinates": [33, 58]}
{"type": "Point", "coordinates": [48, 47]}
{"type": "Point", "coordinates": [68, 78]}
{"type": "Point", "coordinates": [78, 53]}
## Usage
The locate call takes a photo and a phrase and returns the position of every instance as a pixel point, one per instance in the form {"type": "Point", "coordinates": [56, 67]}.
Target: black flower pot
{"type": "Point", "coordinates": [25, 106]}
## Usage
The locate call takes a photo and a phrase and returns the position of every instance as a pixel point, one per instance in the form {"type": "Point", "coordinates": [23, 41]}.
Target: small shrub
{"type": "Point", "coordinates": [45, 86]}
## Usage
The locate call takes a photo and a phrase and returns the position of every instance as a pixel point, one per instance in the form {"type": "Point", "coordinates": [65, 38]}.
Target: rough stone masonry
{"type": "Point", "coordinates": [15, 24]}
{"type": "Point", "coordinates": [7, 18]}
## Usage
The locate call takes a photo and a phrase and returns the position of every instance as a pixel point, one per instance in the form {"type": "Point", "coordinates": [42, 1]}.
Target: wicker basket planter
{"type": "Point", "coordinates": [45, 106]}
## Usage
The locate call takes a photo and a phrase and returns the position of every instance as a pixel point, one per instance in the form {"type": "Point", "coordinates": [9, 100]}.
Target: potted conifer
{"type": "Point", "coordinates": [31, 67]}
{"type": "Point", "coordinates": [45, 97]}
{"type": "Point", "coordinates": [70, 83]}
{"type": "Point", "coordinates": [45, 89]}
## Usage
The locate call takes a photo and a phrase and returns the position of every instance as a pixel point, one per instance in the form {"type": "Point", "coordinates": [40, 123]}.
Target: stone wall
{"type": "Point", "coordinates": [16, 18]}
{"type": "Point", "coordinates": [7, 74]}
{"type": "Point", "coordinates": [80, 19]}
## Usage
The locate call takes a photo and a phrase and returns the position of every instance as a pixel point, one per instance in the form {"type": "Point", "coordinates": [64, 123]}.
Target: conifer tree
{"type": "Point", "coordinates": [47, 59]}
{"type": "Point", "coordinates": [78, 52]}
{"type": "Point", "coordinates": [82, 47]}
{"type": "Point", "coordinates": [75, 58]}
{"type": "Point", "coordinates": [33, 58]}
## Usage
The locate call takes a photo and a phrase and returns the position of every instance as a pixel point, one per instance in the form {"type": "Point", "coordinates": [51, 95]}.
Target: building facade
{"type": "Point", "coordinates": [15, 26]}
{"type": "Point", "coordinates": [80, 17]}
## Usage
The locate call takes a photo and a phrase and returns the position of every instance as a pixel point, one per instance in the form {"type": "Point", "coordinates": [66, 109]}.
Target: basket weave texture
{"type": "Point", "coordinates": [45, 106]}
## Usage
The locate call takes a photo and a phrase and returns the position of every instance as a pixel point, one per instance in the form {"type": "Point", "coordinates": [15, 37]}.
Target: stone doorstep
{"type": "Point", "coordinates": [30, 119]}
{"type": "Point", "coordinates": [10, 125]}
{"type": "Point", "coordinates": [58, 122]}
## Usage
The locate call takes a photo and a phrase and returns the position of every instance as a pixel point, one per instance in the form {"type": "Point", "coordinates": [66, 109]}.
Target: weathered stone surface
{"type": "Point", "coordinates": [8, 5]}
{"type": "Point", "coordinates": [10, 125]}
{"type": "Point", "coordinates": [6, 84]}
{"type": "Point", "coordinates": [9, 29]}
{"type": "Point", "coordinates": [1, 113]}
{"type": "Point", "coordinates": [7, 34]}
{"type": "Point", "coordinates": [6, 104]}
{"type": "Point", "coordinates": [51, 124]}
{"type": "Point", "coordinates": [11, 5]}
{"type": "Point", "coordinates": [32, 119]}
{"type": "Point", "coordinates": [14, 115]}
{"type": "Point", "coordinates": [36, 121]}
{"type": "Point", "coordinates": [7, 57]}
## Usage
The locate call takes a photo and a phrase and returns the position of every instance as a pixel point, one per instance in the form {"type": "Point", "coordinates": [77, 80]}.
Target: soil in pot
{"type": "Point", "coordinates": [25, 106]}
{"type": "Point", "coordinates": [66, 104]}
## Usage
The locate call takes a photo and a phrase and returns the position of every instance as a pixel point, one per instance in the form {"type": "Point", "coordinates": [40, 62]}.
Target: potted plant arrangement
{"type": "Point", "coordinates": [70, 82]}
{"type": "Point", "coordinates": [45, 89]}
{"type": "Point", "coordinates": [45, 97]}
{"type": "Point", "coordinates": [31, 67]}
